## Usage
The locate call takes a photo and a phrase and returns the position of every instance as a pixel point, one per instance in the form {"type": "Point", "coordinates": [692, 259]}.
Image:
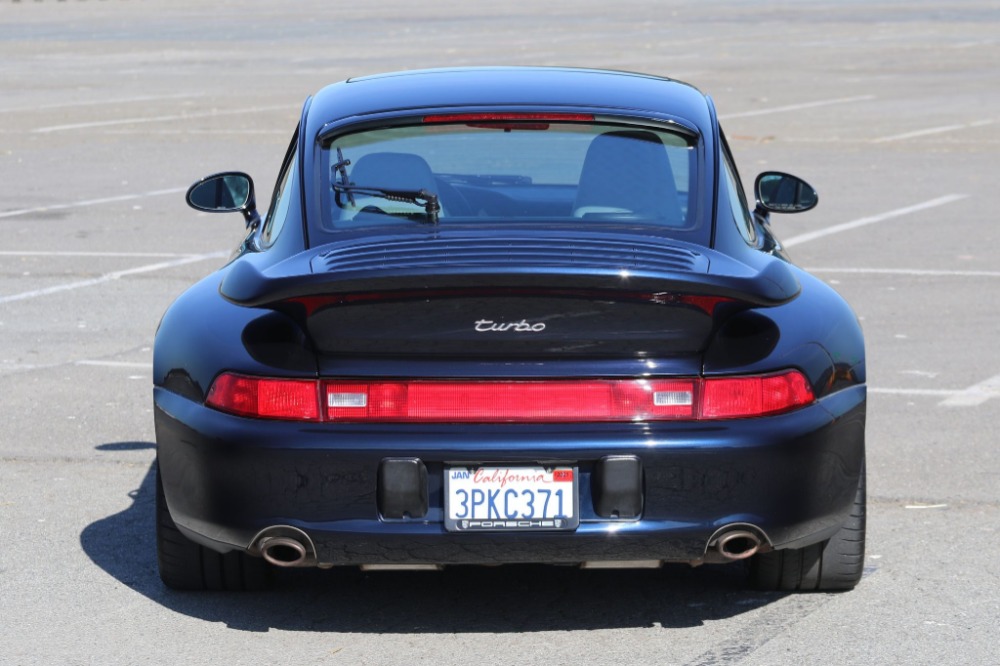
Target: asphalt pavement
{"type": "Point", "coordinates": [109, 109]}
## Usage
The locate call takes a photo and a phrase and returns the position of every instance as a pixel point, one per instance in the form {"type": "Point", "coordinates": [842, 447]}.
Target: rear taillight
{"type": "Point", "coordinates": [261, 397]}
{"type": "Point", "coordinates": [509, 401]}
{"type": "Point", "coordinates": [742, 397]}
{"type": "Point", "coordinates": [532, 401]}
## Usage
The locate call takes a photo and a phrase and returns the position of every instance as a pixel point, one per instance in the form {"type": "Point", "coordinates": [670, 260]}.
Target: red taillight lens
{"type": "Point", "coordinates": [533, 401]}
{"type": "Point", "coordinates": [292, 399]}
{"type": "Point", "coordinates": [509, 401]}
{"type": "Point", "coordinates": [742, 397]}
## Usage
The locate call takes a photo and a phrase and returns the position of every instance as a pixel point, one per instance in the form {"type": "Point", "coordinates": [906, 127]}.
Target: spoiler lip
{"type": "Point", "coordinates": [606, 262]}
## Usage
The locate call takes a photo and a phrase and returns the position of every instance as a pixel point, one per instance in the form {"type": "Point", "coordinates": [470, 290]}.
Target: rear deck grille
{"type": "Point", "coordinates": [501, 254]}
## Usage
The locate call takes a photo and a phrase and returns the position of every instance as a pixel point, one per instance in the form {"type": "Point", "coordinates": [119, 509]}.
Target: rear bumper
{"type": "Point", "coordinates": [226, 479]}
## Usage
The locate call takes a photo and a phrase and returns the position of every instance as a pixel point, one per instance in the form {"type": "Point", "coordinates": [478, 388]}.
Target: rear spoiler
{"type": "Point", "coordinates": [605, 264]}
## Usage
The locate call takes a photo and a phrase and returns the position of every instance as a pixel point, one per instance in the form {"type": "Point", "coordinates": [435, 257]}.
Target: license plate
{"type": "Point", "coordinates": [511, 498]}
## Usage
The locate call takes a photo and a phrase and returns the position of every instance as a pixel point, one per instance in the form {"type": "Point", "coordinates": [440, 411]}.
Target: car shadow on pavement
{"type": "Point", "coordinates": [456, 600]}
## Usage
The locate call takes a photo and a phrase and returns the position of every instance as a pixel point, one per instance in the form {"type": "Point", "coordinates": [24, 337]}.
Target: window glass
{"type": "Point", "coordinates": [278, 212]}
{"type": "Point", "coordinates": [513, 173]}
{"type": "Point", "coordinates": [733, 194]}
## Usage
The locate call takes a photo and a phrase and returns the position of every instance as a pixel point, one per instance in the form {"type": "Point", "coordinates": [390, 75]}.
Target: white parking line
{"type": "Point", "coordinates": [107, 277]}
{"type": "Point", "coordinates": [934, 393]}
{"type": "Point", "coordinates": [117, 364]}
{"type": "Point", "coordinates": [146, 131]}
{"type": "Point", "coordinates": [933, 130]}
{"type": "Point", "coordinates": [975, 395]}
{"type": "Point", "coordinates": [125, 255]}
{"type": "Point", "coordinates": [160, 119]}
{"type": "Point", "coordinates": [970, 397]}
{"type": "Point", "coordinates": [915, 272]}
{"type": "Point", "coordinates": [864, 221]}
{"type": "Point", "coordinates": [99, 102]}
{"type": "Point", "coordinates": [797, 107]}
{"type": "Point", "coordinates": [91, 202]}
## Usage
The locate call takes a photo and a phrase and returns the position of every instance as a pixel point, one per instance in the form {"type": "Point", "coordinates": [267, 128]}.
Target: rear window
{"type": "Point", "coordinates": [488, 172]}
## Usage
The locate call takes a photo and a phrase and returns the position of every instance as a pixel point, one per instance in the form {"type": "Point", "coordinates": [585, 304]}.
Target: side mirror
{"type": "Point", "coordinates": [228, 192]}
{"type": "Point", "coordinates": [778, 192]}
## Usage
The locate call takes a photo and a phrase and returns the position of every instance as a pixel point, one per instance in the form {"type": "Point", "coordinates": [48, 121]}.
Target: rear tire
{"type": "Point", "coordinates": [832, 565]}
{"type": "Point", "coordinates": [186, 565]}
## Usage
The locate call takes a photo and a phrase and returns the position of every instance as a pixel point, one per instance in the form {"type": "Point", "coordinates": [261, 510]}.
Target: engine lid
{"type": "Point", "coordinates": [510, 295]}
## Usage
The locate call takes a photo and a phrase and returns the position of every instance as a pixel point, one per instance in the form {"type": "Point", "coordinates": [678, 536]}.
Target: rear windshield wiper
{"type": "Point", "coordinates": [429, 200]}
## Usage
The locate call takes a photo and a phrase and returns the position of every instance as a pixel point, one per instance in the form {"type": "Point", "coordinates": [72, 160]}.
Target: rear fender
{"type": "Point", "coordinates": [195, 341]}
{"type": "Point", "coordinates": [817, 333]}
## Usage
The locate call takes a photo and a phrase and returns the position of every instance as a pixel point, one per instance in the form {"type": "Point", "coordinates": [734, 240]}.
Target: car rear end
{"type": "Point", "coordinates": [522, 378]}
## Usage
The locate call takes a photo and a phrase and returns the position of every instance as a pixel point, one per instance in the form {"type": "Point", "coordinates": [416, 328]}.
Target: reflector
{"type": "Point", "coordinates": [664, 398]}
{"type": "Point", "coordinates": [347, 400]}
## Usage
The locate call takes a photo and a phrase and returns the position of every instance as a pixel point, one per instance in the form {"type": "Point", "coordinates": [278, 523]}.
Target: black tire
{"type": "Point", "coordinates": [186, 565]}
{"type": "Point", "coordinates": [832, 565]}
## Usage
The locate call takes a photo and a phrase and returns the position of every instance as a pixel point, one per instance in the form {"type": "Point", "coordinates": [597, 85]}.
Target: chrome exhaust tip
{"type": "Point", "coordinates": [737, 541]}
{"type": "Point", "coordinates": [738, 544]}
{"type": "Point", "coordinates": [283, 552]}
{"type": "Point", "coordinates": [284, 546]}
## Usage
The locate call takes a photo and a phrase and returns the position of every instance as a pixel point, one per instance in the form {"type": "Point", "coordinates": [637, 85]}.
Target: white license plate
{"type": "Point", "coordinates": [511, 498]}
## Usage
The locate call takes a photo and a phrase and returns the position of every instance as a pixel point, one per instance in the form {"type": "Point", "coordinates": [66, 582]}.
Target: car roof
{"type": "Point", "coordinates": [488, 87]}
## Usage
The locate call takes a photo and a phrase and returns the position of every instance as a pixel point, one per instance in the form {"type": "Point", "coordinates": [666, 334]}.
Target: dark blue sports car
{"type": "Point", "coordinates": [509, 315]}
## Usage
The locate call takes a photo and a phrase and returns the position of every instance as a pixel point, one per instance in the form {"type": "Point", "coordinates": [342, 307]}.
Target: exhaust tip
{"type": "Point", "coordinates": [736, 541]}
{"type": "Point", "coordinates": [738, 544]}
{"type": "Point", "coordinates": [283, 552]}
{"type": "Point", "coordinates": [284, 546]}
